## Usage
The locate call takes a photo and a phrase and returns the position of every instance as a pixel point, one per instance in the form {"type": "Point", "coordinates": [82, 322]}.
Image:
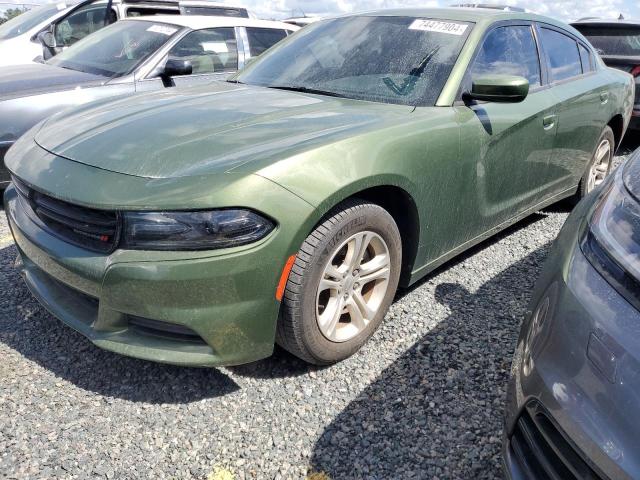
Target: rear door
{"type": "Point", "coordinates": [510, 142]}
{"type": "Point", "coordinates": [582, 96]}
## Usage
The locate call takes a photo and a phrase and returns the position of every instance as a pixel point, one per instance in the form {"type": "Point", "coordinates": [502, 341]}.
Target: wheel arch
{"type": "Point", "coordinates": [394, 196]}
{"type": "Point", "coordinates": [617, 125]}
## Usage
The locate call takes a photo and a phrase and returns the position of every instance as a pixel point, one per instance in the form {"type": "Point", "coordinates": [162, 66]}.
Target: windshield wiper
{"type": "Point", "coordinates": [306, 90]}
{"type": "Point", "coordinates": [412, 78]}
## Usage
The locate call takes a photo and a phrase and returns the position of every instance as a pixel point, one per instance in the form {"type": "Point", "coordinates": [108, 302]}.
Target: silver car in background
{"type": "Point", "coordinates": [574, 395]}
{"type": "Point", "coordinates": [134, 55]}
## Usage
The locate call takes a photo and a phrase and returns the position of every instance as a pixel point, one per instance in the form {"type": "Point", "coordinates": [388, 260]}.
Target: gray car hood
{"type": "Point", "coordinates": [26, 80]}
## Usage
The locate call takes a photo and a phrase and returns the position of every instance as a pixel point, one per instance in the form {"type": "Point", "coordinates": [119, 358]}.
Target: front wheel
{"type": "Point", "coordinates": [342, 284]}
{"type": "Point", "coordinates": [600, 164]}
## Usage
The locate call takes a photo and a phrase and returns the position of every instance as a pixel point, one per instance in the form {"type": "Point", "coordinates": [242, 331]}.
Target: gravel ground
{"type": "Point", "coordinates": [423, 399]}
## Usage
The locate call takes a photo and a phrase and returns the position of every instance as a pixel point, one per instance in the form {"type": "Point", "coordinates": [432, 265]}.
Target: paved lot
{"type": "Point", "coordinates": [423, 399]}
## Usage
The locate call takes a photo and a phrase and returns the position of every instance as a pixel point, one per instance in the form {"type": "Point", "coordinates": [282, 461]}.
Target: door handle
{"type": "Point", "coordinates": [604, 97]}
{"type": "Point", "coordinates": [549, 121]}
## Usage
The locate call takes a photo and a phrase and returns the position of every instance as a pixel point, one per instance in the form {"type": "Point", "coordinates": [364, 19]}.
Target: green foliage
{"type": "Point", "coordinates": [11, 13]}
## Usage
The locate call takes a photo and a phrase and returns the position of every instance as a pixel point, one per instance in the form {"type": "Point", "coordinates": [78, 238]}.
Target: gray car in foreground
{"type": "Point", "coordinates": [574, 396]}
{"type": "Point", "coordinates": [133, 55]}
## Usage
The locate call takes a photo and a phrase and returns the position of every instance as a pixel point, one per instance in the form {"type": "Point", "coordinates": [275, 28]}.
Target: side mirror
{"type": "Point", "coordinates": [176, 67]}
{"type": "Point", "coordinates": [47, 39]}
{"type": "Point", "coordinates": [500, 88]}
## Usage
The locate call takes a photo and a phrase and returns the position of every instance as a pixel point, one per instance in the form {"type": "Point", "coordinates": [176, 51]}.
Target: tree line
{"type": "Point", "coordinates": [10, 13]}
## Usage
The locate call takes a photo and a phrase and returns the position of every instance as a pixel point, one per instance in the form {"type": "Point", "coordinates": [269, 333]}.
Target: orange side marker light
{"type": "Point", "coordinates": [284, 277]}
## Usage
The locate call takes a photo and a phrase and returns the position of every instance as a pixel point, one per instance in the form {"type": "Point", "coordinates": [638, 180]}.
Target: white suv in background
{"type": "Point", "coordinates": [50, 28]}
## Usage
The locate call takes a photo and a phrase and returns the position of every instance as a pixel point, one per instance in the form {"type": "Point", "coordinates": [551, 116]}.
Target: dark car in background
{"type": "Point", "coordinates": [133, 55]}
{"type": "Point", "coordinates": [575, 387]}
{"type": "Point", "coordinates": [618, 43]}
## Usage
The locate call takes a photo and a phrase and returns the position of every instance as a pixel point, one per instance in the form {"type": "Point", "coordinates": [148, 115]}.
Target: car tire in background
{"type": "Point", "coordinates": [342, 283]}
{"type": "Point", "coordinates": [600, 164]}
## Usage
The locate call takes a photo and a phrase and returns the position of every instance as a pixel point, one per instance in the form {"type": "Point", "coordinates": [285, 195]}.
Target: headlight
{"type": "Point", "coordinates": [612, 242]}
{"type": "Point", "coordinates": [200, 230]}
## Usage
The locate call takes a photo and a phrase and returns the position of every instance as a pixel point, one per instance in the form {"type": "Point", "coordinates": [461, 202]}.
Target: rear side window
{"type": "Point", "coordinates": [613, 41]}
{"type": "Point", "coordinates": [261, 39]}
{"type": "Point", "coordinates": [149, 11]}
{"type": "Point", "coordinates": [216, 11]}
{"type": "Point", "coordinates": [587, 59]}
{"type": "Point", "coordinates": [509, 50]}
{"type": "Point", "coordinates": [562, 51]}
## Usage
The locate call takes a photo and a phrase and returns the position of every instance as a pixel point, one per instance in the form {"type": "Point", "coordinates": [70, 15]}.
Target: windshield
{"type": "Point", "coordinates": [117, 49]}
{"type": "Point", "coordinates": [28, 20]}
{"type": "Point", "coordinates": [614, 41]}
{"type": "Point", "coordinates": [397, 60]}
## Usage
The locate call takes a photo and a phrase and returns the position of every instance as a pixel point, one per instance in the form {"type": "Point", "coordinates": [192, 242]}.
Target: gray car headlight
{"type": "Point", "coordinates": [199, 230]}
{"type": "Point", "coordinates": [612, 241]}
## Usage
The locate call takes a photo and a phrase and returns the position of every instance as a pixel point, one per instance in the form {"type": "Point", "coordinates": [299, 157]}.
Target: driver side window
{"type": "Point", "coordinates": [214, 50]}
{"type": "Point", "coordinates": [509, 50]}
{"type": "Point", "coordinates": [82, 22]}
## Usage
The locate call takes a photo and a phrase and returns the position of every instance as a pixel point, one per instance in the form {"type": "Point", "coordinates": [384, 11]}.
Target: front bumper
{"type": "Point", "coordinates": [226, 298]}
{"type": "Point", "coordinates": [4, 173]}
{"type": "Point", "coordinates": [576, 373]}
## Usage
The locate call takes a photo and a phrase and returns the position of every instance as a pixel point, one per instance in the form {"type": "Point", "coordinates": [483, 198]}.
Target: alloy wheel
{"type": "Point", "coordinates": [353, 286]}
{"type": "Point", "coordinates": [600, 168]}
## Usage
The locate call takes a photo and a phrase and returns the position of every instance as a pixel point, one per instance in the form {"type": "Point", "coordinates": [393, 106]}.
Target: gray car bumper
{"type": "Point", "coordinates": [4, 173]}
{"type": "Point", "coordinates": [574, 396]}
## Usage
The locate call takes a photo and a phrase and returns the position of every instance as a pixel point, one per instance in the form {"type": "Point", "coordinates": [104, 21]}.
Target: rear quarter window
{"type": "Point", "coordinates": [588, 62]}
{"type": "Point", "coordinates": [562, 53]}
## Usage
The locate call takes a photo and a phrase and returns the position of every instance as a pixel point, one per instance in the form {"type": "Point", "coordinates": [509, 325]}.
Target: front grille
{"type": "Point", "coordinates": [543, 451]}
{"type": "Point", "coordinates": [96, 230]}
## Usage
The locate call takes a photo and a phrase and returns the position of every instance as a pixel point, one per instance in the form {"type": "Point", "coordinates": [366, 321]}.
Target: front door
{"type": "Point", "coordinates": [510, 142]}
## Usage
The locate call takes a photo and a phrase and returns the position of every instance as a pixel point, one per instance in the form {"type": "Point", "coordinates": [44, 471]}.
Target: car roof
{"type": "Point", "coordinates": [464, 14]}
{"type": "Point", "coordinates": [607, 22]}
{"type": "Point", "coordinates": [197, 22]}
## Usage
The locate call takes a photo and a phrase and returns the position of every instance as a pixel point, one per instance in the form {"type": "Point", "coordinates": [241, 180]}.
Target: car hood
{"type": "Point", "coordinates": [209, 129]}
{"type": "Point", "coordinates": [25, 80]}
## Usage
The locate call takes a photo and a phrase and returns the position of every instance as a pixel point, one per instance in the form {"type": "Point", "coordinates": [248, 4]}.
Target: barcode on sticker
{"type": "Point", "coordinates": [437, 26]}
{"type": "Point", "coordinates": [163, 29]}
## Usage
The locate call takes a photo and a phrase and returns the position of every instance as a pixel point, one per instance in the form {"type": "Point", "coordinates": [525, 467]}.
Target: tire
{"type": "Point", "coordinates": [309, 311]}
{"type": "Point", "coordinates": [587, 182]}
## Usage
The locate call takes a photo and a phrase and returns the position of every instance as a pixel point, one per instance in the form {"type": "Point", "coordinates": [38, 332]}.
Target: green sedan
{"type": "Point", "coordinates": [202, 226]}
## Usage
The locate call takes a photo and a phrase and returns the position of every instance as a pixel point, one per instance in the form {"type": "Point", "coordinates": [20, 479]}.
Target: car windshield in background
{"type": "Point", "coordinates": [614, 41]}
{"type": "Point", "coordinates": [117, 49]}
{"type": "Point", "coordinates": [26, 21]}
{"type": "Point", "coordinates": [386, 59]}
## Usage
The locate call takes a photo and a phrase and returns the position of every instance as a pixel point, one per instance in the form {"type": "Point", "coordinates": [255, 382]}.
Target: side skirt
{"type": "Point", "coordinates": [432, 265]}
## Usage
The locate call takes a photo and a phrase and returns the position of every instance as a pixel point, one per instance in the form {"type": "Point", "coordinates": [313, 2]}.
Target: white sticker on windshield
{"type": "Point", "coordinates": [61, 6]}
{"type": "Point", "coordinates": [163, 29]}
{"type": "Point", "coordinates": [437, 26]}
